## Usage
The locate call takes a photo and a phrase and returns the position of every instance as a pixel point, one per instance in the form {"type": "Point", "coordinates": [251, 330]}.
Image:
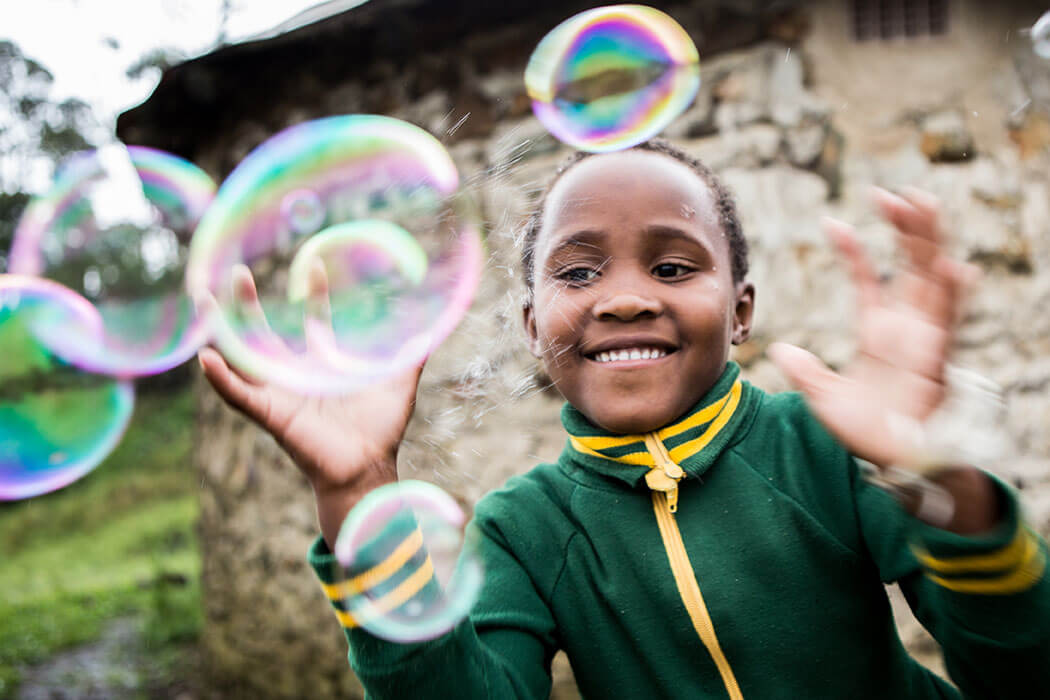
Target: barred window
{"type": "Point", "coordinates": [891, 19]}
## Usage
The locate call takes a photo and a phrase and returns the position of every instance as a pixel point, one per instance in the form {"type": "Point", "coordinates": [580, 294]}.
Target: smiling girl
{"type": "Point", "coordinates": [698, 537]}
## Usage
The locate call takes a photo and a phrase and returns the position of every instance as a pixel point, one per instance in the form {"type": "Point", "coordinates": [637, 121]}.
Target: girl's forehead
{"type": "Point", "coordinates": [639, 186]}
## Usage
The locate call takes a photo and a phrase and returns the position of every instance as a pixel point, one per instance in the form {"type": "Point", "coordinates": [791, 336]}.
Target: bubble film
{"type": "Point", "coordinates": [612, 77]}
{"type": "Point", "coordinates": [407, 573]}
{"type": "Point", "coordinates": [56, 423]}
{"type": "Point", "coordinates": [363, 252]}
{"type": "Point", "coordinates": [115, 227]}
{"type": "Point", "coordinates": [1041, 36]}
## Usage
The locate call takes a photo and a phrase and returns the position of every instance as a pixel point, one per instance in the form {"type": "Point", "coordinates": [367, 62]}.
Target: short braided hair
{"type": "Point", "coordinates": [725, 207]}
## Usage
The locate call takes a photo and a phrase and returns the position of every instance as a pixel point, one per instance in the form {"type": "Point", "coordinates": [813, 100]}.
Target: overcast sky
{"type": "Point", "coordinates": [89, 44]}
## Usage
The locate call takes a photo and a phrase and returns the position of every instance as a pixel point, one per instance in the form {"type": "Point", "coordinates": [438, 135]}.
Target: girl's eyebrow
{"type": "Point", "coordinates": [673, 232]}
{"type": "Point", "coordinates": [587, 238]}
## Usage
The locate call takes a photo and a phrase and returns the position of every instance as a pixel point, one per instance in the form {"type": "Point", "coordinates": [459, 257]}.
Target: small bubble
{"type": "Point", "coordinates": [1040, 35]}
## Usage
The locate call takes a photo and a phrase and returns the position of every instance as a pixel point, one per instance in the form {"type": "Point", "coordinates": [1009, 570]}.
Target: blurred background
{"type": "Point", "coordinates": [177, 568]}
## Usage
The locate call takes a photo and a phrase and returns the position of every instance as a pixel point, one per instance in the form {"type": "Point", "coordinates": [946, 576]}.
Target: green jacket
{"type": "Point", "coordinates": [776, 593]}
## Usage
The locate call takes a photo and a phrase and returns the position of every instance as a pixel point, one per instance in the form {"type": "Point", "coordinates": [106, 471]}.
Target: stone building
{"type": "Point", "coordinates": [802, 107]}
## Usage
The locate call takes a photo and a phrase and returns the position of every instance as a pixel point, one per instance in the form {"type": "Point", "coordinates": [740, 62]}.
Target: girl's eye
{"type": "Point", "coordinates": [667, 270]}
{"type": "Point", "coordinates": [576, 275]}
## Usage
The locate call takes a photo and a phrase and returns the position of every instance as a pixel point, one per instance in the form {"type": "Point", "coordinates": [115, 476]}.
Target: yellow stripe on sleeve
{"type": "Point", "coordinates": [1009, 557]}
{"type": "Point", "coordinates": [391, 600]}
{"type": "Point", "coordinates": [378, 573]}
{"type": "Point", "coordinates": [1016, 580]}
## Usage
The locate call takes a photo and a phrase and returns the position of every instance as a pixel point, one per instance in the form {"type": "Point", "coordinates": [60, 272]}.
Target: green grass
{"type": "Point", "coordinates": [118, 543]}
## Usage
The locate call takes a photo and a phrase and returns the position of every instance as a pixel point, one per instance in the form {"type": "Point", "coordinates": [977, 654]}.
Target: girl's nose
{"type": "Point", "coordinates": [626, 306]}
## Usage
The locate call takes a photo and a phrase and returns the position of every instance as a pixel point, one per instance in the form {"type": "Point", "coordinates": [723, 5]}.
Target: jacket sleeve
{"type": "Point", "coordinates": [985, 599]}
{"type": "Point", "coordinates": [502, 650]}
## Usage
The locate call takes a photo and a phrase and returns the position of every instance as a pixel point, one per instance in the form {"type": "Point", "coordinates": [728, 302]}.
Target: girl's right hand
{"type": "Point", "coordinates": [345, 445]}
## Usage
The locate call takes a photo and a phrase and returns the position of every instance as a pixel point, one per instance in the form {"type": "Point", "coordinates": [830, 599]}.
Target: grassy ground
{"type": "Point", "coordinates": [117, 545]}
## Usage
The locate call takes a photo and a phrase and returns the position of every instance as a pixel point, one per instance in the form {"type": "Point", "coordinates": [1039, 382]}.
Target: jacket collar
{"type": "Point", "coordinates": [694, 441]}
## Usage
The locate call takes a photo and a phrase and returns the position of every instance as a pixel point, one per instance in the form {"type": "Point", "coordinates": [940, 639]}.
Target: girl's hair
{"type": "Point", "coordinates": [724, 206]}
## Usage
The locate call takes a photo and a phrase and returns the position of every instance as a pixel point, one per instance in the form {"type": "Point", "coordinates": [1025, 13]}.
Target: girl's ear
{"type": "Point", "coordinates": [744, 311]}
{"type": "Point", "coordinates": [528, 317]}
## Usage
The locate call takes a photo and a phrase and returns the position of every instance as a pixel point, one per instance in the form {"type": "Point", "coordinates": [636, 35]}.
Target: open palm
{"type": "Point", "coordinates": [905, 331]}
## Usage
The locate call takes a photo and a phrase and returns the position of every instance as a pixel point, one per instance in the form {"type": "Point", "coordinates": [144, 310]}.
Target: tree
{"type": "Point", "coordinates": [36, 131]}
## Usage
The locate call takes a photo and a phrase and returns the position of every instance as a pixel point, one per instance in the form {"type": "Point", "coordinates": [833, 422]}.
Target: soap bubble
{"type": "Point", "coordinates": [1041, 36]}
{"type": "Point", "coordinates": [56, 422]}
{"type": "Point", "coordinates": [406, 572]}
{"type": "Point", "coordinates": [115, 227]}
{"type": "Point", "coordinates": [612, 77]}
{"type": "Point", "coordinates": [339, 252]}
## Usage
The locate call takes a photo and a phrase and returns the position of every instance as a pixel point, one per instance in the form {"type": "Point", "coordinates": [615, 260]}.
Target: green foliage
{"type": "Point", "coordinates": [57, 141]}
{"type": "Point", "coordinates": [11, 207]}
{"type": "Point", "coordinates": [119, 543]}
{"type": "Point", "coordinates": [36, 126]}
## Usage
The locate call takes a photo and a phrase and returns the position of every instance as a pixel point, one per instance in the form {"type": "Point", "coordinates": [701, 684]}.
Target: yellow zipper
{"type": "Point", "coordinates": [663, 481]}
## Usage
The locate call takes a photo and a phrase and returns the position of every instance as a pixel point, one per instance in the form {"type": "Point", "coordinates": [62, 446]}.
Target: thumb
{"type": "Point", "coordinates": [804, 370]}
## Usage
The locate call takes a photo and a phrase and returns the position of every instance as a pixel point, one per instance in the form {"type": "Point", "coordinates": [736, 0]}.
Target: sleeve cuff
{"type": "Point", "coordinates": [1005, 561]}
{"type": "Point", "coordinates": [392, 569]}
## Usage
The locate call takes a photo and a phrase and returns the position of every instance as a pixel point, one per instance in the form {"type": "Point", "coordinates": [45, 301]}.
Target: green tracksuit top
{"type": "Point", "coordinates": [765, 582]}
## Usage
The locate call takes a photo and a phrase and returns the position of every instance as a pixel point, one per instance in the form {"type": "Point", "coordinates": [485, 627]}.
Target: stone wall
{"type": "Point", "coordinates": [799, 124]}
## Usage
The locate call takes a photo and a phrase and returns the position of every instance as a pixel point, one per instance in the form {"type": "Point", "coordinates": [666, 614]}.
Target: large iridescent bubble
{"type": "Point", "coordinates": [115, 227]}
{"type": "Point", "coordinates": [56, 422]}
{"type": "Point", "coordinates": [363, 251]}
{"type": "Point", "coordinates": [612, 77]}
{"type": "Point", "coordinates": [407, 572]}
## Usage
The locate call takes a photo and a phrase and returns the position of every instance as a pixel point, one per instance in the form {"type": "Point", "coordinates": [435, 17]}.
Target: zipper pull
{"type": "Point", "coordinates": [658, 479]}
{"type": "Point", "coordinates": [666, 474]}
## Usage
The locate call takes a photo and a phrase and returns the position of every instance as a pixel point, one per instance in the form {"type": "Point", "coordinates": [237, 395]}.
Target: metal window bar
{"type": "Point", "coordinates": [890, 19]}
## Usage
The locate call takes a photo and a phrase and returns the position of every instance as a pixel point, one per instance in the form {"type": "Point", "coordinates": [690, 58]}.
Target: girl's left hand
{"type": "Point", "coordinates": [905, 333]}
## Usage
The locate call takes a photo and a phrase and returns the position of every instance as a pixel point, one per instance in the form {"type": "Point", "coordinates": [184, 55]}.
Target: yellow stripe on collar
{"type": "Point", "coordinates": [700, 417]}
{"type": "Point", "coordinates": [642, 458]}
{"type": "Point", "coordinates": [717, 415]}
{"type": "Point", "coordinates": [729, 403]}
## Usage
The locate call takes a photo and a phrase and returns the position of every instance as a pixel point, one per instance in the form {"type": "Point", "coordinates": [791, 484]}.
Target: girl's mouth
{"type": "Point", "coordinates": [628, 355]}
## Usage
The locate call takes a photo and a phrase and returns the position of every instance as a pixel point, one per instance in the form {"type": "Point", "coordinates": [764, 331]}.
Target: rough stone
{"type": "Point", "coordinates": [946, 139]}
{"type": "Point", "coordinates": [805, 144]}
{"type": "Point", "coordinates": [697, 121]}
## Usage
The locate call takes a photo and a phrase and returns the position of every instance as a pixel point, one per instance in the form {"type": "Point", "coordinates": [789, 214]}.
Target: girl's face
{"type": "Point", "coordinates": [635, 307]}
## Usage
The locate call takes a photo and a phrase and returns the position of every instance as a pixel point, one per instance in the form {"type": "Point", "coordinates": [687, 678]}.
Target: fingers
{"type": "Point", "coordinates": [249, 309]}
{"type": "Point", "coordinates": [934, 284]}
{"type": "Point", "coordinates": [866, 280]}
{"type": "Point", "coordinates": [237, 390]}
{"type": "Point", "coordinates": [805, 371]}
{"type": "Point", "coordinates": [916, 216]}
{"type": "Point", "coordinates": [317, 312]}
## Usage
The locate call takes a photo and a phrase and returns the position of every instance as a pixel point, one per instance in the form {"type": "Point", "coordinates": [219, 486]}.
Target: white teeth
{"type": "Point", "coordinates": [629, 354]}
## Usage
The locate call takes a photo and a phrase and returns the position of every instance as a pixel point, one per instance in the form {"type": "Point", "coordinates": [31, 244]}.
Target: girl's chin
{"type": "Point", "coordinates": [632, 423]}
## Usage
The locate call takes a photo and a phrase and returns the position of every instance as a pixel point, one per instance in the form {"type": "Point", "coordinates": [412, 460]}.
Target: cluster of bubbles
{"type": "Point", "coordinates": [93, 298]}
{"type": "Point", "coordinates": [339, 252]}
